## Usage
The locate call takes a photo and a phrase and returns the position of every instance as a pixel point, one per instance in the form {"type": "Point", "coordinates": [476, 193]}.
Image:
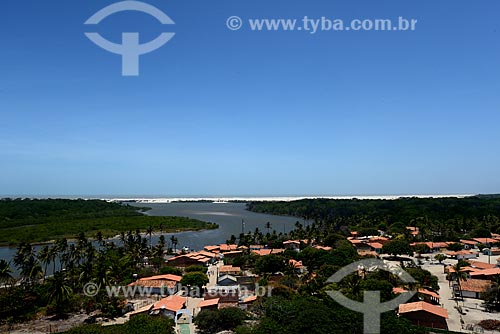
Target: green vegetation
{"type": "Point", "coordinates": [139, 324]}
{"type": "Point", "coordinates": [40, 220]}
{"type": "Point", "coordinates": [397, 247]}
{"type": "Point", "coordinates": [75, 265]}
{"type": "Point", "coordinates": [214, 321]}
{"type": "Point", "coordinates": [438, 219]}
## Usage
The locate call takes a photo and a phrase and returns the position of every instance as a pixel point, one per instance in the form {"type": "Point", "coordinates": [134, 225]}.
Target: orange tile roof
{"type": "Point", "coordinates": [367, 253]}
{"type": "Point", "coordinates": [172, 303]}
{"type": "Point", "coordinates": [229, 269]}
{"type": "Point", "coordinates": [250, 299]}
{"type": "Point", "coordinates": [398, 290]}
{"type": "Point", "coordinates": [486, 272]}
{"type": "Point", "coordinates": [379, 238]}
{"type": "Point", "coordinates": [482, 265]}
{"type": "Point", "coordinates": [262, 252]}
{"type": "Point", "coordinates": [423, 291]}
{"type": "Point", "coordinates": [295, 264]}
{"type": "Point", "coordinates": [162, 277]}
{"type": "Point", "coordinates": [485, 240]}
{"type": "Point", "coordinates": [297, 242]}
{"type": "Point", "coordinates": [209, 302]}
{"type": "Point", "coordinates": [158, 281]}
{"type": "Point", "coordinates": [475, 285]}
{"type": "Point", "coordinates": [469, 242]}
{"type": "Point", "coordinates": [425, 307]}
{"type": "Point", "coordinates": [375, 245]}
{"type": "Point", "coordinates": [325, 248]}
{"type": "Point", "coordinates": [227, 248]}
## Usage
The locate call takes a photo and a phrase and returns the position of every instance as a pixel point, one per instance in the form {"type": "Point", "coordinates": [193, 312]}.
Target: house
{"type": "Point", "coordinates": [424, 314]}
{"type": "Point", "coordinates": [169, 306]}
{"type": "Point", "coordinates": [422, 294]}
{"type": "Point", "coordinates": [325, 248]}
{"type": "Point", "coordinates": [433, 246]}
{"type": "Point", "coordinates": [472, 288]}
{"type": "Point", "coordinates": [413, 230]}
{"type": "Point", "coordinates": [227, 280]}
{"type": "Point", "coordinates": [380, 240]}
{"type": "Point", "coordinates": [231, 254]}
{"type": "Point", "coordinates": [201, 258]}
{"type": "Point", "coordinates": [486, 241]}
{"type": "Point", "coordinates": [481, 265]}
{"type": "Point", "coordinates": [229, 270]}
{"type": "Point", "coordinates": [468, 244]}
{"type": "Point", "coordinates": [292, 244]}
{"type": "Point", "coordinates": [463, 254]}
{"type": "Point", "coordinates": [297, 265]}
{"type": "Point", "coordinates": [247, 282]}
{"type": "Point", "coordinates": [227, 248]}
{"type": "Point", "coordinates": [225, 295]}
{"type": "Point", "coordinates": [376, 247]}
{"type": "Point", "coordinates": [264, 252]}
{"type": "Point", "coordinates": [209, 304]}
{"type": "Point", "coordinates": [159, 284]}
{"type": "Point", "coordinates": [247, 301]}
{"type": "Point", "coordinates": [486, 274]}
{"type": "Point", "coordinates": [493, 251]}
{"type": "Point", "coordinates": [367, 253]}
{"type": "Point", "coordinates": [212, 249]}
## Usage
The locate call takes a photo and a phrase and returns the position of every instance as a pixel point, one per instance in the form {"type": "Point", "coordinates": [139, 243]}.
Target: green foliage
{"type": "Point", "coordinates": [421, 249]}
{"type": "Point", "coordinates": [139, 324]}
{"type": "Point", "coordinates": [38, 220]}
{"type": "Point", "coordinates": [214, 321]}
{"type": "Point", "coordinates": [270, 264]}
{"type": "Point", "coordinates": [193, 268]}
{"type": "Point", "coordinates": [170, 270]}
{"type": "Point", "coordinates": [423, 277]}
{"type": "Point", "coordinates": [300, 314]}
{"type": "Point", "coordinates": [438, 219]}
{"type": "Point", "coordinates": [196, 278]}
{"type": "Point", "coordinates": [440, 257]}
{"type": "Point", "coordinates": [455, 247]}
{"type": "Point", "coordinates": [397, 247]}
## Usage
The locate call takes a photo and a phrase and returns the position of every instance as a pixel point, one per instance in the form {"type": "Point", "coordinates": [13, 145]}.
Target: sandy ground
{"type": "Point", "coordinates": [472, 307]}
{"type": "Point", "coordinates": [45, 325]}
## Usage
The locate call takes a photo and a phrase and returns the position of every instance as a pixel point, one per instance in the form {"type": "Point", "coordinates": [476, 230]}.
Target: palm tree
{"type": "Point", "coordinates": [161, 241]}
{"type": "Point", "coordinates": [62, 247]}
{"type": "Point", "coordinates": [27, 263]}
{"type": "Point", "coordinates": [53, 255]}
{"type": "Point", "coordinates": [268, 226]}
{"type": "Point", "coordinates": [45, 258]}
{"type": "Point", "coordinates": [59, 292]}
{"type": "Point", "coordinates": [150, 232]}
{"type": "Point", "coordinates": [174, 241]}
{"type": "Point", "coordinates": [5, 272]}
{"type": "Point", "coordinates": [459, 275]}
{"type": "Point", "coordinates": [99, 238]}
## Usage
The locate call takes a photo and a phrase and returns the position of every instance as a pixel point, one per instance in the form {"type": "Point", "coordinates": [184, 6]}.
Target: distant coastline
{"type": "Point", "coordinates": [174, 199]}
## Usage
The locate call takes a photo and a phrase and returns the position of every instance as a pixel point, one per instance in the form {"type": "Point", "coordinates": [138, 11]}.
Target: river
{"type": "Point", "coordinates": [228, 216]}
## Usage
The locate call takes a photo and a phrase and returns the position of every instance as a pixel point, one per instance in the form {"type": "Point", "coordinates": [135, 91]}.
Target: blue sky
{"type": "Point", "coordinates": [220, 112]}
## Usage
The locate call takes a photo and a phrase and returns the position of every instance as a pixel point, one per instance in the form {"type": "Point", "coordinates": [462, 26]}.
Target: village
{"type": "Point", "coordinates": [465, 272]}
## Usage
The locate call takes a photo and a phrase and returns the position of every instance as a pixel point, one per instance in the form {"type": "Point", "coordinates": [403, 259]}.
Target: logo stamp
{"type": "Point", "coordinates": [371, 307]}
{"type": "Point", "coordinates": [130, 49]}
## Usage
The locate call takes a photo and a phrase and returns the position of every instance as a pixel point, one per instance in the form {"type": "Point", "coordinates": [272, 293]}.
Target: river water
{"type": "Point", "coordinates": [229, 216]}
